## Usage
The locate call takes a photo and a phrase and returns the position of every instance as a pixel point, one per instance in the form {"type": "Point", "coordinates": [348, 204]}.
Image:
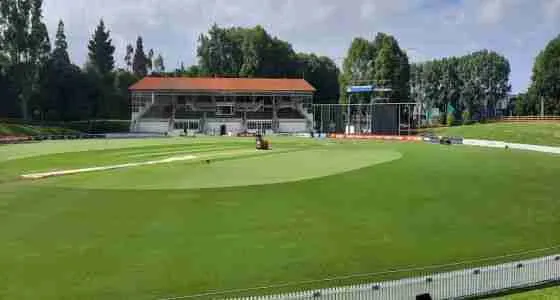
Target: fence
{"type": "Point", "coordinates": [462, 280]}
{"type": "Point", "coordinates": [376, 118]}
{"type": "Point", "coordinates": [523, 119]}
{"type": "Point", "coordinates": [468, 283]}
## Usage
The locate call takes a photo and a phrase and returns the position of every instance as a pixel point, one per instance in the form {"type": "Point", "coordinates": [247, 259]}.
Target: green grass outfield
{"type": "Point", "coordinates": [306, 210]}
{"type": "Point", "coordinates": [525, 133]}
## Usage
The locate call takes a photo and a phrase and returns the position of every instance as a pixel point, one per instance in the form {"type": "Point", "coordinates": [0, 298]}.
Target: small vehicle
{"type": "Point", "coordinates": [262, 144]}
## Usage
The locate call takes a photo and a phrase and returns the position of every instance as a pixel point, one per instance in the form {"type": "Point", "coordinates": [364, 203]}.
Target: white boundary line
{"type": "Point", "coordinates": [43, 175]}
{"type": "Point", "coordinates": [499, 144]}
{"type": "Point", "coordinates": [104, 168]}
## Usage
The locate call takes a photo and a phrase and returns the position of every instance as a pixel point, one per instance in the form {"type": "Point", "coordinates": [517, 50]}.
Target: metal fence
{"type": "Point", "coordinates": [376, 118]}
{"type": "Point", "coordinates": [469, 283]}
{"type": "Point", "coordinates": [523, 119]}
{"type": "Point", "coordinates": [462, 280]}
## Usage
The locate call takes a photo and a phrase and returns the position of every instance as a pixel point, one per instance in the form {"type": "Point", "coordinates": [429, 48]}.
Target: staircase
{"type": "Point", "coordinates": [171, 125]}
{"type": "Point", "coordinates": [137, 116]}
{"type": "Point", "coordinates": [308, 116]}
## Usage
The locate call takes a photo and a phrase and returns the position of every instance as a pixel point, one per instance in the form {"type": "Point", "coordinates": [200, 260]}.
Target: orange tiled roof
{"type": "Point", "coordinates": [222, 84]}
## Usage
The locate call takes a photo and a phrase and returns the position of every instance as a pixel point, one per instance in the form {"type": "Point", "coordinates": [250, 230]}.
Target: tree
{"type": "Point", "coordinates": [192, 71]}
{"type": "Point", "coordinates": [140, 61]}
{"type": "Point", "coordinates": [219, 51]}
{"type": "Point", "coordinates": [251, 56]}
{"type": "Point", "coordinates": [99, 74]}
{"type": "Point", "coordinates": [431, 87]}
{"type": "Point", "coordinates": [25, 46]}
{"type": "Point", "coordinates": [252, 52]}
{"type": "Point", "coordinates": [526, 104]}
{"type": "Point", "coordinates": [8, 95]}
{"type": "Point", "coordinates": [159, 66]}
{"type": "Point", "coordinates": [358, 66]}
{"type": "Point", "coordinates": [245, 52]}
{"type": "Point", "coordinates": [322, 73]}
{"type": "Point", "coordinates": [128, 57]}
{"type": "Point", "coordinates": [416, 83]}
{"type": "Point", "coordinates": [123, 80]}
{"type": "Point", "coordinates": [386, 68]}
{"type": "Point", "coordinates": [62, 90]}
{"type": "Point", "coordinates": [150, 60]}
{"type": "Point", "coordinates": [101, 50]}
{"type": "Point", "coordinates": [472, 84]}
{"type": "Point", "coordinates": [62, 93]}
{"type": "Point", "coordinates": [545, 84]}
{"type": "Point", "coordinates": [402, 81]}
{"type": "Point", "coordinates": [60, 52]}
{"type": "Point", "coordinates": [381, 62]}
{"type": "Point", "coordinates": [450, 86]}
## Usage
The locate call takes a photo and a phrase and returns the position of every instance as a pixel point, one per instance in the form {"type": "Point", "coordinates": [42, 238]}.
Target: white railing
{"type": "Point", "coordinates": [460, 280]}
{"type": "Point", "coordinates": [308, 116]}
{"type": "Point", "coordinates": [137, 116]}
{"type": "Point", "coordinates": [474, 282]}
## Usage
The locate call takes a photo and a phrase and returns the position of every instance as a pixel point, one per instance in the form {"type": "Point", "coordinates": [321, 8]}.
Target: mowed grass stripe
{"type": "Point", "coordinates": [19, 151]}
{"type": "Point", "coordinates": [54, 162]}
{"type": "Point", "coordinates": [88, 159]}
{"type": "Point", "coordinates": [214, 153]}
{"type": "Point", "coordinates": [435, 205]}
{"type": "Point", "coordinates": [237, 168]}
{"type": "Point", "coordinates": [108, 154]}
{"type": "Point", "coordinates": [215, 156]}
{"type": "Point", "coordinates": [163, 152]}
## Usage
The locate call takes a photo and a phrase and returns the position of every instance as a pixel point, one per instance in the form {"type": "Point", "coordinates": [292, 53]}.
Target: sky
{"type": "Point", "coordinates": [426, 29]}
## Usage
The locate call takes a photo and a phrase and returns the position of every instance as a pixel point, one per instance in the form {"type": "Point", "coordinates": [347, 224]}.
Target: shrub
{"type": "Point", "coordinates": [466, 117]}
{"type": "Point", "coordinates": [450, 120]}
{"type": "Point", "coordinates": [100, 126]}
{"type": "Point", "coordinates": [32, 130]}
{"type": "Point", "coordinates": [442, 119]}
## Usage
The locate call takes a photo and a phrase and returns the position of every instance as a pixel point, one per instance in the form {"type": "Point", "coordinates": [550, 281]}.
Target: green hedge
{"type": "Point", "coordinates": [31, 130]}
{"type": "Point", "coordinates": [100, 126]}
{"type": "Point", "coordinates": [18, 128]}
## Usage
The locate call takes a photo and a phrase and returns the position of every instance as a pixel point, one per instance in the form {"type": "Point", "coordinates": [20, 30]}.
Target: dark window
{"type": "Point", "coordinates": [224, 110]}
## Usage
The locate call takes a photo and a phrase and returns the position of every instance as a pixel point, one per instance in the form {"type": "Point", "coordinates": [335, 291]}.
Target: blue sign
{"type": "Point", "coordinates": [360, 89]}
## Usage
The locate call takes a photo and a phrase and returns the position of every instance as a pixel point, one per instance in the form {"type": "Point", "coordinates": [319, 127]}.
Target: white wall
{"type": "Point", "coordinates": [293, 126]}
{"type": "Point", "coordinates": [234, 126]}
{"type": "Point", "coordinates": [152, 126]}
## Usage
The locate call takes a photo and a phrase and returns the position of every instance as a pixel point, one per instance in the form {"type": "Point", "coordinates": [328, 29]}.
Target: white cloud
{"type": "Point", "coordinates": [492, 11]}
{"type": "Point", "coordinates": [382, 9]}
{"type": "Point", "coordinates": [368, 9]}
{"type": "Point", "coordinates": [552, 9]}
{"type": "Point", "coordinates": [432, 28]}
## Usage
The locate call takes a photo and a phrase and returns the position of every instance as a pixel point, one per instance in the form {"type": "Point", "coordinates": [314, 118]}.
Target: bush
{"type": "Point", "coordinates": [442, 119]}
{"type": "Point", "coordinates": [100, 126]}
{"type": "Point", "coordinates": [466, 116]}
{"type": "Point", "coordinates": [7, 129]}
{"type": "Point", "coordinates": [450, 120]}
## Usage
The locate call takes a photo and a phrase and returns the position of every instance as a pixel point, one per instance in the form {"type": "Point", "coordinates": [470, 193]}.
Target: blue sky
{"type": "Point", "coordinates": [428, 29]}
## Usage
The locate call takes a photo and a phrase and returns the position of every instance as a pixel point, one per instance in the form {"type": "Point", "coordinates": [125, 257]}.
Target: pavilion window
{"type": "Point", "coordinates": [182, 100]}
{"type": "Point", "coordinates": [224, 110]}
